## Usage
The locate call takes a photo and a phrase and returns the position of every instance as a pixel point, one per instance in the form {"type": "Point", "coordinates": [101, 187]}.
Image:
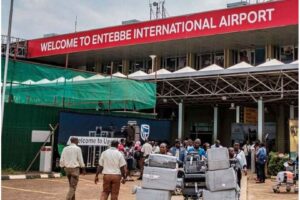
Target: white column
{"type": "Point", "coordinates": [292, 112]}
{"type": "Point", "coordinates": [237, 114]}
{"type": "Point", "coordinates": [180, 120]}
{"type": "Point", "coordinates": [261, 119]}
{"type": "Point", "coordinates": [215, 132]}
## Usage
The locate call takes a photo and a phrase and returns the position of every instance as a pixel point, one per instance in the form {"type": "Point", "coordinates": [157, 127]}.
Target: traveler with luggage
{"type": "Point", "coordinates": [197, 148]}
{"type": "Point", "coordinates": [163, 149]}
{"type": "Point", "coordinates": [179, 152]}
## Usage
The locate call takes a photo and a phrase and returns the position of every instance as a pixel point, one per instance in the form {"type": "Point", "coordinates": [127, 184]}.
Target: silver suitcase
{"type": "Point", "coordinates": [164, 161]}
{"type": "Point", "coordinates": [218, 158]}
{"type": "Point", "coordinates": [159, 178]}
{"type": "Point", "coordinates": [221, 195]}
{"type": "Point", "coordinates": [220, 180]}
{"type": "Point", "coordinates": [148, 194]}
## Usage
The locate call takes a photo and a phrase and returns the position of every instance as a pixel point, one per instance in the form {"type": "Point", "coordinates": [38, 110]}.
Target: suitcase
{"type": "Point", "coordinates": [194, 164]}
{"type": "Point", "coordinates": [159, 178]}
{"type": "Point", "coordinates": [218, 158]}
{"type": "Point", "coordinates": [148, 194]}
{"type": "Point", "coordinates": [221, 180]}
{"type": "Point", "coordinates": [164, 161]}
{"type": "Point", "coordinates": [224, 195]}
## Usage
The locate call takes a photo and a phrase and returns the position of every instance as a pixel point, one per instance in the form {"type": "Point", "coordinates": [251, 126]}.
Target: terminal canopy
{"type": "Point", "coordinates": [106, 93]}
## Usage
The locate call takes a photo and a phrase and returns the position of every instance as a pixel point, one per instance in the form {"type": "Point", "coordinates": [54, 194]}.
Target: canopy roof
{"type": "Point", "coordinates": [241, 65]}
{"type": "Point", "coordinates": [137, 73]}
{"type": "Point", "coordinates": [271, 62]}
{"type": "Point", "coordinates": [161, 71]}
{"type": "Point", "coordinates": [185, 69]}
{"type": "Point", "coordinates": [105, 93]}
{"type": "Point", "coordinates": [212, 67]}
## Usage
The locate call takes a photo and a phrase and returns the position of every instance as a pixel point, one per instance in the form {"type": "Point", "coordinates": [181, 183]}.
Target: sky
{"type": "Point", "coordinates": [34, 18]}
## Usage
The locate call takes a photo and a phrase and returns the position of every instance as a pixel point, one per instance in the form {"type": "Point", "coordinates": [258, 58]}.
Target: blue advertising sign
{"type": "Point", "coordinates": [78, 124]}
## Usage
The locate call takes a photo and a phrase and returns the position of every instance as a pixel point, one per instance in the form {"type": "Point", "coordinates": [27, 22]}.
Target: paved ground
{"type": "Point", "coordinates": [38, 189]}
{"type": "Point", "coordinates": [264, 191]}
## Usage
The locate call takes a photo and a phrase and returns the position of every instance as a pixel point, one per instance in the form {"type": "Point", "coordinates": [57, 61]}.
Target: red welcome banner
{"type": "Point", "coordinates": [252, 17]}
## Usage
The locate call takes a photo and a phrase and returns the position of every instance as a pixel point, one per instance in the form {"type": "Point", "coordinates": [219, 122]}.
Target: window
{"type": "Point", "coordinates": [247, 55]}
{"type": "Point", "coordinates": [260, 55]}
{"type": "Point", "coordinates": [287, 53]}
{"type": "Point", "coordinates": [219, 59]}
{"type": "Point", "coordinates": [206, 60]}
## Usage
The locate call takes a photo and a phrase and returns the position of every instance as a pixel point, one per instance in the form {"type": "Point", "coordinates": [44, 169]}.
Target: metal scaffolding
{"type": "Point", "coordinates": [244, 87]}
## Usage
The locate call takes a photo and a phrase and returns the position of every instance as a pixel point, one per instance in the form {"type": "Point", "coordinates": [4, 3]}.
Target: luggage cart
{"type": "Point", "coordinates": [194, 176]}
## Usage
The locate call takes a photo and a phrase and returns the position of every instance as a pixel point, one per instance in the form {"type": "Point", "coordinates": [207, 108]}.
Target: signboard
{"type": "Point", "coordinates": [293, 126]}
{"type": "Point", "coordinates": [250, 115]}
{"type": "Point", "coordinates": [40, 136]}
{"type": "Point", "coordinates": [243, 132]}
{"type": "Point", "coordinates": [93, 141]}
{"type": "Point", "coordinates": [106, 126]}
{"type": "Point", "coordinates": [145, 131]}
{"type": "Point", "coordinates": [252, 17]}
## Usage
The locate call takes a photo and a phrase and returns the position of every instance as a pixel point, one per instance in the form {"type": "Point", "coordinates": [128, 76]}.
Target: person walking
{"type": "Point", "coordinates": [246, 148]}
{"type": "Point", "coordinates": [71, 161]}
{"type": "Point", "coordinates": [129, 157]}
{"type": "Point", "coordinates": [113, 165]}
{"type": "Point", "coordinates": [242, 163]}
{"type": "Point", "coordinates": [261, 159]}
{"type": "Point", "coordinates": [146, 151]}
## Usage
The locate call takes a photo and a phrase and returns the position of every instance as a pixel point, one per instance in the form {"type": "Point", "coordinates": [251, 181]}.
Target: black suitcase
{"type": "Point", "coordinates": [193, 164]}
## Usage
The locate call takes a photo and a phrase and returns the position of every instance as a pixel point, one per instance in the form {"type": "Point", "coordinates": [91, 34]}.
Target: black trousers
{"type": "Point", "coordinates": [261, 172]}
{"type": "Point", "coordinates": [239, 177]}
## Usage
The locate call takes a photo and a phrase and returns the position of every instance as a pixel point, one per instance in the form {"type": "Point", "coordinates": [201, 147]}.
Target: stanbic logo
{"type": "Point", "coordinates": [145, 131]}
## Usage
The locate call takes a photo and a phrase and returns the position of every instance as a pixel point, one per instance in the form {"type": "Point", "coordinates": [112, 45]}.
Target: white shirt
{"type": "Point", "coordinates": [71, 157]}
{"type": "Point", "coordinates": [246, 149]}
{"type": "Point", "coordinates": [146, 149]}
{"type": "Point", "coordinates": [242, 159]}
{"type": "Point", "coordinates": [112, 160]}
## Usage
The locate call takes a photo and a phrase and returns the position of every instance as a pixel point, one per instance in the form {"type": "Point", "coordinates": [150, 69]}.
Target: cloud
{"type": "Point", "coordinates": [39, 17]}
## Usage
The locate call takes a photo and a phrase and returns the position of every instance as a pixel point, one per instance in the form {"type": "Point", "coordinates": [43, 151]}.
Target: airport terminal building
{"type": "Point", "coordinates": [230, 74]}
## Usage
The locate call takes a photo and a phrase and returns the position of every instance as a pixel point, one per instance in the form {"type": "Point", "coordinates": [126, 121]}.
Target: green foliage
{"type": "Point", "coordinates": [276, 162]}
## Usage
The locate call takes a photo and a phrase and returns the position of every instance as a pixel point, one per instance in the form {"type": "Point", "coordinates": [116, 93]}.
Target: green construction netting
{"type": "Point", "coordinates": [108, 93]}
{"type": "Point", "coordinates": [20, 71]}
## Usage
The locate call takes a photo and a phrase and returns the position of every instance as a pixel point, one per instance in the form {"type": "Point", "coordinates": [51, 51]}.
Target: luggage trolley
{"type": "Point", "coordinates": [194, 176]}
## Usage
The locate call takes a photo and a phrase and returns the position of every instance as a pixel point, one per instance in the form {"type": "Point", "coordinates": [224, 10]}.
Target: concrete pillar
{"type": "Point", "coordinates": [269, 51]}
{"type": "Point", "coordinates": [158, 62]}
{"type": "Point", "coordinates": [261, 119]}
{"type": "Point", "coordinates": [125, 66]}
{"type": "Point", "coordinates": [215, 130]}
{"type": "Point", "coordinates": [98, 65]}
{"type": "Point", "coordinates": [180, 120]}
{"type": "Point", "coordinates": [227, 58]}
{"type": "Point", "coordinates": [292, 112]}
{"type": "Point", "coordinates": [237, 114]}
{"type": "Point", "coordinates": [190, 60]}
{"type": "Point", "coordinates": [280, 129]}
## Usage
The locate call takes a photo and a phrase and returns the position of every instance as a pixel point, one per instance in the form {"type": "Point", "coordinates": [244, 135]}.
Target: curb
{"type": "Point", "coordinates": [30, 176]}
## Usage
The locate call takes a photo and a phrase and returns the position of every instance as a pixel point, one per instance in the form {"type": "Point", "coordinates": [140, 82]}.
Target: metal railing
{"type": "Point", "coordinates": [17, 49]}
